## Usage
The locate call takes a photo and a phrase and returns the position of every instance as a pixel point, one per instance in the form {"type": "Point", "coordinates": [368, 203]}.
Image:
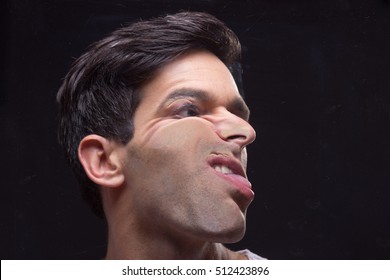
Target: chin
{"type": "Point", "coordinates": [232, 236]}
{"type": "Point", "coordinates": [226, 233]}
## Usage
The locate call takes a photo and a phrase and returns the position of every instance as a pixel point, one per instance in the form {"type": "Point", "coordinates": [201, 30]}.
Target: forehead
{"type": "Point", "coordinates": [200, 71]}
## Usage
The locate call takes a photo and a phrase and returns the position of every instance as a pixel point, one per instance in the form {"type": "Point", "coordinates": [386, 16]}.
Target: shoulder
{"type": "Point", "coordinates": [249, 255]}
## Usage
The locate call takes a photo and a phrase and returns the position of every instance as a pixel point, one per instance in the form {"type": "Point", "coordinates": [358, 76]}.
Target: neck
{"type": "Point", "coordinates": [130, 245]}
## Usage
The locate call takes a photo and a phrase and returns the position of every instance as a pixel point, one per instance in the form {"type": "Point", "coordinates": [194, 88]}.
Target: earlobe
{"type": "Point", "coordinates": [100, 160]}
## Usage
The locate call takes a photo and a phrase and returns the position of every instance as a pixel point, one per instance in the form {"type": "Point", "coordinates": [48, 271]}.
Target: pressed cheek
{"type": "Point", "coordinates": [171, 157]}
{"type": "Point", "coordinates": [181, 134]}
{"type": "Point", "coordinates": [170, 148]}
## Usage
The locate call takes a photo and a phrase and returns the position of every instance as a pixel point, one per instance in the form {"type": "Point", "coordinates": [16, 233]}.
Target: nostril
{"type": "Point", "coordinates": [236, 137]}
{"type": "Point", "coordinates": [242, 134]}
{"type": "Point", "coordinates": [233, 128]}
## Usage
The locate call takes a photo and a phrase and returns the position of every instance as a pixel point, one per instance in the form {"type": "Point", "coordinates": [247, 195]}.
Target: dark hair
{"type": "Point", "coordinates": [101, 91]}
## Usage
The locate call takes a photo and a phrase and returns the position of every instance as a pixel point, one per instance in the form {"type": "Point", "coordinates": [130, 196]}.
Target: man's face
{"type": "Point", "coordinates": [185, 165]}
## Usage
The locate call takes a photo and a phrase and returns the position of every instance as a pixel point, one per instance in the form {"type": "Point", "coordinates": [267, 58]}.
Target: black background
{"type": "Point", "coordinates": [317, 80]}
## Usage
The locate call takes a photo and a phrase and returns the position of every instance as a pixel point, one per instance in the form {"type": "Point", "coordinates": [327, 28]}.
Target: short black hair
{"type": "Point", "coordinates": [101, 91]}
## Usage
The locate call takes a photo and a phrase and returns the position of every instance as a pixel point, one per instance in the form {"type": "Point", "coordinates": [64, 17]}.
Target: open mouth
{"type": "Point", "coordinates": [223, 169]}
{"type": "Point", "coordinates": [227, 165]}
{"type": "Point", "coordinates": [231, 170]}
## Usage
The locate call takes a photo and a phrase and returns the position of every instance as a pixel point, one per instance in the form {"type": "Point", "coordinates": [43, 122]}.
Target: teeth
{"type": "Point", "coordinates": [223, 169]}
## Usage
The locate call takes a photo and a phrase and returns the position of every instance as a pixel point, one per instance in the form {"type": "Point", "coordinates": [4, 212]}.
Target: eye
{"type": "Point", "coordinates": [187, 110]}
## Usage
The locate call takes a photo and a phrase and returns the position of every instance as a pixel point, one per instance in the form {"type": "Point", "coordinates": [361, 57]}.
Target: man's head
{"type": "Point", "coordinates": [153, 113]}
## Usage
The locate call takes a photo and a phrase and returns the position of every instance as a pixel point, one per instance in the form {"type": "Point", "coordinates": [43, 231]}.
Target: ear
{"type": "Point", "coordinates": [101, 162]}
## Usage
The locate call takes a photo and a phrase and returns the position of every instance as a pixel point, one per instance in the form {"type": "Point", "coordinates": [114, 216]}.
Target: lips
{"type": "Point", "coordinates": [227, 165]}
{"type": "Point", "coordinates": [231, 170]}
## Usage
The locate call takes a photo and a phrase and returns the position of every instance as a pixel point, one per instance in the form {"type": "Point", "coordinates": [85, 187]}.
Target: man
{"type": "Point", "coordinates": [154, 127]}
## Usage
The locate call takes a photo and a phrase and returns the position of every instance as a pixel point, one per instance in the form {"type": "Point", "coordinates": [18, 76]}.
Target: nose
{"type": "Point", "coordinates": [232, 128]}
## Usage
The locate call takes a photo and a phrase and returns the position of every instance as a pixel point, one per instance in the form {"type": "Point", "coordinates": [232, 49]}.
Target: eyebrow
{"type": "Point", "coordinates": [237, 106]}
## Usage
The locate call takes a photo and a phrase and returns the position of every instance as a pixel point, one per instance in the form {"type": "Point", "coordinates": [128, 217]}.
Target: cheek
{"type": "Point", "coordinates": [186, 134]}
{"type": "Point", "coordinates": [170, 150]}
{"type": "Point", "coordinates": [170, 161]}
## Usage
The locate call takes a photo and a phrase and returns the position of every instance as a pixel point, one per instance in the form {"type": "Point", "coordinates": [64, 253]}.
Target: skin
{"type": "Point", "coordinates": [162, 197]}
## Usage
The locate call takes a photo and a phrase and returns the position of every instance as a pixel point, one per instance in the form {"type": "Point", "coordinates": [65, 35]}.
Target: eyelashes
{"type": "Point", "coordinates": [187, 110]}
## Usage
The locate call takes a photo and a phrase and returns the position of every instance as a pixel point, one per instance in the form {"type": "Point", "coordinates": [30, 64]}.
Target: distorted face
{"type": "Point", "coordinates": [185, 165]}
